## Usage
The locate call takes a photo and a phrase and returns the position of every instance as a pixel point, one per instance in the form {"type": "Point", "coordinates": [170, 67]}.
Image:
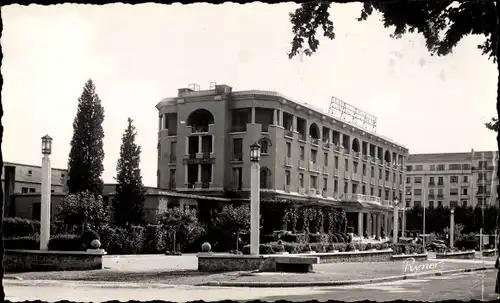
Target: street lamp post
{"type": "Point", "coordinates": [395, 215]}
{"type": "Point", "coordinates": [45, 193]}
{"type": "Point", "coordinates": [452, 226]}
{"type": "Point", "coordinates": [254, 199]}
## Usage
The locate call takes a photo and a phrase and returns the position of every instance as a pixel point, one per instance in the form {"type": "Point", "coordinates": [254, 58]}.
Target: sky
{"type": "Point", "coordinates": [137, 55]}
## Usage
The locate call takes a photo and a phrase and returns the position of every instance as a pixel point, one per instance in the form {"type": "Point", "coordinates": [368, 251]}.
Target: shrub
{"type": "Point", "coordinates": [368, 246]}
{"type": "Point", "coordinates": [350, 247]}
{"type": "Point", "coordinates": [341, 247]}
{"type": "Point", "coordinates": [399, 248]}
{"type": "Point", "coordinates": [318, 247]}
{"type": "Point", "coordinates": [348, 238]}
{"type": "Point", "coordinates": [87, 238]}
{"type": "Point", "coordinates": [385, 246]}
{"type": "Point", "coordinates": [28, 242]}
{"type": "Point", "coordinates": [306, 248]}
{"type": "Point", "coordinates": [82, 209]}
{"type": "Point", "coordinates": [155, 239]}
{"type": "Point", "coordinates": [264, 249]}
{"type": "Point", "coordinates": [334, 239]}
{"type": "Point", "coordinates": [277, 247]}
{"type": "Point", "coordinates": [318, 238]}
{"type": "Point", "coordinates": [66, 243]}
{"type": "Point", "coordinates": [183, 223]}
{"type": "Point", "coordinates": [122, 240]}
{"type": "Point", "coordinates": [293, 248]}
{"type": "Point", "coordinates": [340, 237]}
{"type": "Point", "coordinates": [295, 238]}
{"type": "Point", "coordinates": [19, 227]}
{"type": "Point", "coordinates": [378, 246]}
{"type": "Point", "coordinates": [330, 247]}
{"type": "Point", "coordinates": [278, 234]}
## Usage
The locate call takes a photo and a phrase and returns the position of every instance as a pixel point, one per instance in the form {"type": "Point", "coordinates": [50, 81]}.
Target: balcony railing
{"type": "Point", "coordinates": [301, 190]}
{"type": "Point", "coordinates": [365, 157]}
{"type": "Point", "coordinates": [171, 185]}
{"type": "Point", "coordinates": [206, 154]}
{"type": "Point", "coordinates": [431, 196]}
{"type": "Point", "coordinates": [286, 188]}
{"type": "Point", "coordinates": [336, 172]}
{"type": "Point", "coordinates": [205, 184]}
{"type": "Point", "coordinates": [347, 151]}
{"type": "Point", "coordinates": [302, 164]}
{"type": "Point", "coordinates": [324, 192]}
{"type": "Point", "coordinates": [172, 158]}
{"type": "Point", "coordinates": [313, 166]}
{"type": "Point", "coordinates": [313, 191]}
{"type": "Point", "coordinates": [238, 157]}
{"type": "Point", "coordinates": [363, 198]}
{"type": "Point", "coordinates": [314, 141]}
{"type": "Point", "coordinates": [432, 184]}
{"type": "Point", "coordinates": [387, 164]}
{"type": "Point", "coordinates": [440, 183]}
{"type": "Point", "coordinates": [199, 129]}
{"type": "Point", "coordinates": [266, 185]}
{"type": "Point", "coordinates": [288, 161]}
{"type": "Point", "coordinates": [191, 184]}
{"type": "Point", "coordinates": [302, 136]}
{"type": "Point", "coordinates": [326, 144]}
{"type": "Point", "coordinates": [336, 148]}
{"type": "Point", "coordinates": [325, 170]}
{"type": "Point", "coordinates": [288, 133]}
{"type": "Point", "coordinates": [373, 159]}
{"type": "Point", "coordinates": [192, 155]}
{"type": "Point", "coordinates": [440, 195]}
{"type": "Point", "coordinates": [356, 155]}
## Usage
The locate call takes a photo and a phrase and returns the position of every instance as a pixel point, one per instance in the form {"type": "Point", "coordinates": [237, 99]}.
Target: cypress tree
{"type": "Point", "coordinates": [130, 192]}
{"type": "Point", "coordinates": [87, 153]}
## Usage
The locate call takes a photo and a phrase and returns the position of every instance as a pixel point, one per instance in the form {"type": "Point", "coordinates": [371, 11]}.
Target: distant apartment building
{"type": "Point", "coordinates": [23, 179]}
{"type": "Point", "coordinates": [451, 179]}
{"type": "Point", "coordinates": [307, 155]}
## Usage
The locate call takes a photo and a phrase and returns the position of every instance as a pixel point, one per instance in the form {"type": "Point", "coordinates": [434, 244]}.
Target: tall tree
{"type": "Point", "coordinates": [87, 153]}
{"type": "Point", "coordinates": [492, 125]}
{"type": "Point", "coordinates": [442, 23]}
{"type": "Point", "coordinates": [130, 192]}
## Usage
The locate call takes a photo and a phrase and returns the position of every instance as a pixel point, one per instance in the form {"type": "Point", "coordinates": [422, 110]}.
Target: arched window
{"type": "Point", "coordinates": [264, 145]}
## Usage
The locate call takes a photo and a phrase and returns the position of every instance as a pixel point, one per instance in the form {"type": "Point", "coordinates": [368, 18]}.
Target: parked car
{"type": "Point", "coordinates": [436, 245]}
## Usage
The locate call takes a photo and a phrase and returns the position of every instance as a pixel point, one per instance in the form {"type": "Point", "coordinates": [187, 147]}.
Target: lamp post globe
{"type": "Point", "coordinates": [255, 152]}
{"type": "Point", "coordinates": [46, 145]}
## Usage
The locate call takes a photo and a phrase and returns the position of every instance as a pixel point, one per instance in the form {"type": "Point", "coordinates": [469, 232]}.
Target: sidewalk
{"type": "Point", "coordinates": [324, 274]}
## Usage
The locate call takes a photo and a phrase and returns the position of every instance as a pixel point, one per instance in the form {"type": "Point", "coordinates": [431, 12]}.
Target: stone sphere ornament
{"type": "Point", "coordinates": [95, 244]}
{"type": "Point", "coordinates": [206, 247]}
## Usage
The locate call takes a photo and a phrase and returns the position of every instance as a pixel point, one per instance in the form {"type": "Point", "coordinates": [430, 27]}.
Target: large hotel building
{"type": "Point", "coordinates": [307, 156]}
{"type": "Point", "coordinates": [451, 179]}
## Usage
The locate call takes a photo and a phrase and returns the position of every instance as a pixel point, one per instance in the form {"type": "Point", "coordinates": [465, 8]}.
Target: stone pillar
{"type": "Point", "coordinates": [281, 118]}
{"type": "Point", "coordinates": [199, 145]}
{"type": "Point", "coordinates": [294, 123]}
{"type": "Point", "coordinates": [253, 115]}
{"type": "Point", "coordinates": [199, 172]}
{"type": "Point", "coordinates": [275, 116]}
{"type": "Point", "coordinates": [360, 224]}
{"type": "Point", "coordinates": [254, 208]}
{"type": "Point", "coordinates": [369, 224]}
{"type": "Point", "coordinates": [45, 203]}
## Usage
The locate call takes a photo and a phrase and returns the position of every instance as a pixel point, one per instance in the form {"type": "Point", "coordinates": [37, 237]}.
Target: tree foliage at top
{"type": "Point", "coordinates": [87, 152]}
{"type": "Point", "coordinates": [183, 223]}
{"type": "Point", "coordinates": [129, 192]}
{"type": "Point", "coordinates": [442, 23]}
{"type": "Point", "coordinates": [492, 125]}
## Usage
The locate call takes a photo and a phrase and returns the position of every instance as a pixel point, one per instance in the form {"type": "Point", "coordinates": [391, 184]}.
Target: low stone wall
{"type": "Point", "coordinates": [416, 257]}
{"type": "Point", "coordinates": [18, 260]}
{"type": "Point", "coordinates": [490, 252]}
{"type": "Point", "coordinates": [354, 256]}
{"type": "Point", "coordinates": [457, 255]}
{"type": "Point", "coordinates": [208, 262]}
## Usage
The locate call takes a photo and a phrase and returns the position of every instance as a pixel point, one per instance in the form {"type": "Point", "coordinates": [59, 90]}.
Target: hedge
{"type": "Point", "coordinates": [20, 227]}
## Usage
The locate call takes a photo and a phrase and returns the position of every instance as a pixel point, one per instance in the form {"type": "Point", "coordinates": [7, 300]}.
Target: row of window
{"type": "Point", "coordinates": [314, 183]}
{"type": "Point", "coordinates": [440, 180]}
{"type": "Point", "coordinates": [453, 204]}
{"type": "Point", "coordinates": [441, 167]}
{"type": "Point", "coordinates": [26, 190]}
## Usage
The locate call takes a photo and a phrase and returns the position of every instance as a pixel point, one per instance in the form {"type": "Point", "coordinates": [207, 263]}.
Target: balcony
{"type": "Point", "coordinates": [301, 190]}
{"type": "Point", "coordinates": [266, 185]}
{"type": "Point", "coordinates": [440, 184]}
{"type": "Point", "coordinates": [313, 192]}
{"type": "Point", "coordinates": [336, 148]}
{"type": "Point", "coordinates": [372, 181]}
{"type": "Point", "coordinates": [432, 184]}
{"type": "Point", "coordinates": [373, 159]}
{"type": "Point", "coordinates": [199, 129]}
{"type": "Point", "coordinates": [192, 155]}
{"type": "Point", "coordinates": [302, 137]}
{"type": "Point", "coordinates": [205, 184]}
{"type": "Point", "coordinates": [483, 193]}
{"type": "Point", "coordinates": [355, 176]}
{"type": "Point", "coordinates": [335, 172]}
{"type": "Point", "coordinates": [206, 155]}
{"type": "Point", "coordinates": [302, 165]}
{"type": "Point", "coordinates": [239, 128]}
{"type": "Point", "coordinates": [365, 157]}
{"type": "Point", "coordinates": [440, 196]}
{"type": "Point", "coordinates": [286, 188]}
{"type": "Point", "coordinates": [171, 185]}
{"type": "Point", "coordinates": [289, 133]}
{"type": "Point", "coordinates": [172, 159]}
{"type": "Point", "coordinates": [347, 152]}
{"type": "Point", "coordinates": [191, 185]}
{"type": "Point", "coordinates": [313, 166]}
{"type": "Point", "coordinates": [363, 198]}
{"type": "Point", "coordinates": [356, 155]}
{"type": "Point", "coordinates": [326, 145]}
{"type": "Point", "coordinates": [325, 170]}
{"type": "Point", "coordinates": [388, 164]}
{"type": "Point", "coordinates": [237, 157]}
{"type": "Point", "coordinates": [431, 196]}
{"type": "Point", "coordinates": [288, 161]}
{"type": "Point", "coordinates": [314, 141]}
{"type": "Point", "coordinates": [324, 192]}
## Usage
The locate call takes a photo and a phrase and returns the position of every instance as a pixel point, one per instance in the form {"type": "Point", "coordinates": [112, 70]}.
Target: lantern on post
{"type": "Point", "coordinates": [46, 145]}
{"type": "Point", "coordinates": [255, 152]}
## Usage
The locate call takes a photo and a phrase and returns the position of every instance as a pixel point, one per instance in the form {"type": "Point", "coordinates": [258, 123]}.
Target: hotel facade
{"type": "Point", "coordinates": [451, 179]}
{"type": "Point", "coordinates": [308, 157]}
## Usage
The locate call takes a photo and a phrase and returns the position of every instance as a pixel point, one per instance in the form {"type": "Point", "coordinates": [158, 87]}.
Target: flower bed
{"type": "Point", "coordinates": [456, 255]}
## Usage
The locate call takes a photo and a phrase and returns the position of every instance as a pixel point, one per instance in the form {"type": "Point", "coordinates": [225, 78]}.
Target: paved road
{"type": "Point", "coordinates": [459, 287]}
